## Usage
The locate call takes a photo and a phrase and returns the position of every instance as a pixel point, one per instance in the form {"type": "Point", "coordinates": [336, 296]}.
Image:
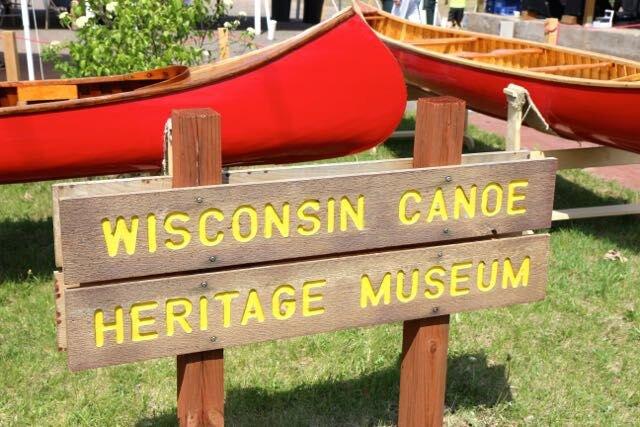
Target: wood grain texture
{"type": "Point", "coordinates": [245, 176]}
{"type": "Point", "coordinates": [86, 258]}
{"type": "Point", "coordinates": [10, 52]}
{"type": "Point", "coordinates": [196, 159]}
{"type": "Point", "coordinates": [47, 93]}
{"type": "Point", "coordinates": [423, 371]}
{"type": "Point", "coordinates": [340, 299]}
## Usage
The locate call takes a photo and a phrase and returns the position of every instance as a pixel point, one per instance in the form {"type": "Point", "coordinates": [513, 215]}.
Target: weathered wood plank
{"type": "Point", "coordinates": [196, 159]}
{"type": "Point", "coordinates": [219, 226]}
{"type": "Point", "coordinates": [247, 175]}
{"type": "Point", "coordinates": [298, 298]}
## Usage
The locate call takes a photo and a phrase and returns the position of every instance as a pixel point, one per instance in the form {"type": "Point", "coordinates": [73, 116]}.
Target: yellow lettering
{"type": "Point", "coordinates": [521, 278]}
{"type": "Point", "coordinates": [438, 206]}
{"type": "Point", "coordinates": [457, 278]}
{"type": "Point", "coordinates": [331, 215]}
{"type": "Point", "coordinates": [492, 279]}
{"type": "Point", "coordinates": [100, 327]}
{"type": "Point", "coordinates": [236, 226]}
{"type": "Point", "coordinates": [252, 309]}
{"type": "Point", "coordinates": [202, 227]}
{"type": "Point", "coordinates": [180, 231]}
{"type": "Point", "coordinates": [415, 279]}
{"type": "Point", "coordinates": [272, 218]}
{"type": "Point", "coordinates": [461, 201]}
{"type": "Point", "coordinates": [513, 197]}
{"type": "Point", "coordinates": [313, 219]}
{"type": "Point", "coordinates": [277, 304]}
{"type": "Point", "coordinates": [308, 298]}
{"type": "Point", "coordinates": [137, 321]}
{"type": "Point", "coordinates": [180, 317]}
{"type": "Point", "coordinates": [152, 241]}
{"type": "Point", "coordinates": [356, 214]}
{"type": "Point", "coordinates": [367, 294]}
{"type": "Point", "coordinates": [202, 309]}
{"type": "Point", "coordinates": [225, 298]}
{"type": "Point", "coordinates": [484, 204]}
{"type": "Point", "coordinates": [432, 281]}
{"type": "Point", "coordinates": [122, 233]}
{"type": "Point", "coordinates": [402, 207]}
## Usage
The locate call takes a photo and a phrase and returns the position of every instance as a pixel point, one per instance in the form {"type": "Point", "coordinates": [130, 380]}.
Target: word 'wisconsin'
{"type": "Point", "coordinates": [308, 216]}
{"type": "Point", "coordinates": [232, 308]}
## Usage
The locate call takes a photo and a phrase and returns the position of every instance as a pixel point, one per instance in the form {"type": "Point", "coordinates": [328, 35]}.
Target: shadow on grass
{"type": "Point", "coordinates": [622, 231]}
{"type": "Point", "coordinates": [26, 249]}
{"type": "Point", "coordinates": [369, 400]}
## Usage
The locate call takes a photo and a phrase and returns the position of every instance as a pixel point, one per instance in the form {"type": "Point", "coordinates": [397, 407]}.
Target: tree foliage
{"type": "Point", "coordinates": [117, 37]}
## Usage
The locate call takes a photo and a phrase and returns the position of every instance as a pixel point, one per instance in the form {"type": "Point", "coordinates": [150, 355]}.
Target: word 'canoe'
{"type": "Point", "coordinates": [309, 97]}
{"type": "Point", "coordinates": [581, 95]}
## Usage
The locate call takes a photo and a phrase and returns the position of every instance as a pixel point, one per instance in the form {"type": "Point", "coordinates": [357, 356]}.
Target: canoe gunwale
{"type": "Point", "coordinates": [577, 81]}
{"type": "Point", "coordinates": [215, 73]}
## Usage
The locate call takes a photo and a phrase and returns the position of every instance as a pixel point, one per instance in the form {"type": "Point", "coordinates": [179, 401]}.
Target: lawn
{"type": "Point", "coordinates": [571, 359]}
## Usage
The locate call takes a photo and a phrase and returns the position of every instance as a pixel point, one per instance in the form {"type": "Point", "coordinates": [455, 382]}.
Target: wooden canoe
{"type": "Point", "coordinates": [330, 91]}
{"type": "Point", "coordinates": [581, 95]}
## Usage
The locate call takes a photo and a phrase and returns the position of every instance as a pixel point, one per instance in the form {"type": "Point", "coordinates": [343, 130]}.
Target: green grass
{"type": "Point", "coordinates": [570, 359]}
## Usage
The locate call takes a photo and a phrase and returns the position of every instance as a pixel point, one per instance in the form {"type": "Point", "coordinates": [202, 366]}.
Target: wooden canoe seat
{"type": "Point", "coordinates": [374, 18]}
{"type": "Point", "coordinates": [441, 41]}
{"type": "Point", "coordinates": [497, 53]}
{"type": "Point", "coordinates": [572, 67]}
{"type": "Point", "coordinates": [30, 93]}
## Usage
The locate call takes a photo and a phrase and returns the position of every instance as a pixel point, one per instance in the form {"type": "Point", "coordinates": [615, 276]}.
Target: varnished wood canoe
{"type": "Point", "coordinates": [581, 95]}
{"type": "Point", "coordinates": [330, 91]}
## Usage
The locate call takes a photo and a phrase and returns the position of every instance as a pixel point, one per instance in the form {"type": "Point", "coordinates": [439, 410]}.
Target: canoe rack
{"type": "Point", "coordinates": [519, 103]}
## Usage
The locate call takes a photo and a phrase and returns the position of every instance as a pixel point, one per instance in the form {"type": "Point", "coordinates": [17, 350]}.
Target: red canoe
{"type": "Point", "coordinates": [581, 95]}
{"type": "Point", "coordinates": [330, 91]}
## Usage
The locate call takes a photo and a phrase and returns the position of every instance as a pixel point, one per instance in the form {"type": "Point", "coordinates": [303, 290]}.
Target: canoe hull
{"type": "Point", "coordinates": [575, 111]}
{"type": "Point", "coordinates": [308, 104]}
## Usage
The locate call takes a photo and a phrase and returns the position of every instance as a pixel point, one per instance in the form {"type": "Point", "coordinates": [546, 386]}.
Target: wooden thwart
{"type": "Point", "coordinates": [47, 93]}
{"type": "Point", "coordinates": [497, 53]}
{"type": "Point", "coordinates": [441, 41]}
{"type": "Point", "coordinates": [167, 316]}
{"type": "Point", "coordinates": [227, 225]}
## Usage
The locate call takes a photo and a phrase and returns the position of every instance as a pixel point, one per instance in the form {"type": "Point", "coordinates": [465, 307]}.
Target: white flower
{"type": "Point", "coordinates": [63, 15]}
{"type": "Point", "coordinates": [236, 22]}
{"type": "Point", "coordinates": [81, 21]}
{"type": "Point", "coordinates": [227, 24]}
{"type": "Point", "coordinates": [242, 13]}
{"type": "Point", "coordinates": [228, 3]}
{"type": "Point", "coordinates": [74, 3]}
{"type": "Point", "coordinates": [251, 30]}
{"type": "Point", "coordinates": [54, 43]}
{"type": "Point", "coordinates": [111, 6]}
{"type": "Point", "coordinates": [89, 14]}
{"type": "Point", "coordinates": [205, 53]}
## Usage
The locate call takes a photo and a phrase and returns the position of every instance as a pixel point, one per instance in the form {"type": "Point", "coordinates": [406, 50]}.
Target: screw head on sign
{"type": "Point", "coordinates": [435, 309]}
{"type": "Point", "coordinates": [439, 254]}
{"type": "Point", "coordinates": [199, 199]}
{"type": "Point", "coordinates": [213, 339]}
{"type": "Point", "coordinates": [448, 178]}
{"type": "Point", "coordinates": [446, 231]}
{"type": "Point", "coordinates": [212, 258]}
{"type": "Point", "coordinates": [204, 284]}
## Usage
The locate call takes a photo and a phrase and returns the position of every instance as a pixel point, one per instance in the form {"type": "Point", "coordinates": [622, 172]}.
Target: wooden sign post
{"type": "Point", "coordinates": [187, 267]}
{"type": "Point", "coordinates": [440, 126]}
{"type": "Point", "coordinates": [196, 152]}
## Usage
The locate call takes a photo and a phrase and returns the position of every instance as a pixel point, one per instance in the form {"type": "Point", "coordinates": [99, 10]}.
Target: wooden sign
{"type": "Point", "coordinates": [169, 231]}
{"type": "Point", "coordinates": [125, 322]}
